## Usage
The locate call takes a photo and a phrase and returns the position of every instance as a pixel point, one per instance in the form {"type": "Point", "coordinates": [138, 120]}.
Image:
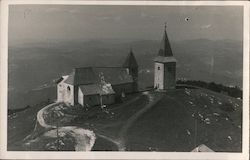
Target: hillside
{"type": "Point", "coordinates": [21, 124]}
{"type": "Point", "coordinates": [35, 66]}
{"type": "Point", "coordinates": [171, 124]}
{"type": "Point", "coordinates": [147, 121]}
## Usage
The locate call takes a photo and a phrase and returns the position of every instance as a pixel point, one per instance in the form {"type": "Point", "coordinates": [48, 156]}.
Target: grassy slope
{"type": "Point", "coordinates": [109, 123]}
{"type": "Point", "coordinates": [20, 125]}
{"type": "Point", "coordinates": [164, 127]}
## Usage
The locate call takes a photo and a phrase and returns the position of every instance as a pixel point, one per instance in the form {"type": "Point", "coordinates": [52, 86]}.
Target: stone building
{"type": "Point", "coordinates": [165, 66]}
{"type": "Point", "coordinates": [90, 86]}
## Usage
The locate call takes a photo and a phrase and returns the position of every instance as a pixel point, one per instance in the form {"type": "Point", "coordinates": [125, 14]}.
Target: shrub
{"type": "Point", "coordinates": [228, 107]}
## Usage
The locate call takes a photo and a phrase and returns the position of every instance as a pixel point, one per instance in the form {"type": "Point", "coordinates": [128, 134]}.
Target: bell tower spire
{"type": "Point", "coordinates": [165, 48]}
{"type": "Point", "coordinates": [132, 66]}
{"type": "Point", "coordinates": [165, 27]}
{"type": "Point", "coordinates": [165, 65]}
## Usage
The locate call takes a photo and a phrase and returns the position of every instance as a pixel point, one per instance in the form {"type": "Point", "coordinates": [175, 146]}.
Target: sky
{"type": "Point", "coordinates": [38, 23]}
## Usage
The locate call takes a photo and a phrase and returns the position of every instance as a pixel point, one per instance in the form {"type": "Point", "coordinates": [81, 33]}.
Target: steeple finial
{"type": "Point", "coordinates": [165, 27]}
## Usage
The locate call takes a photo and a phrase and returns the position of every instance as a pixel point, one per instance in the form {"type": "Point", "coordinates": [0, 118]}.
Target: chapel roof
{"type": "Point", "coordinates": [80, 76]}
{"type": "Point", "coordinates": [93, 89]}
{"type": "Point", "coordinates": [93, 75]}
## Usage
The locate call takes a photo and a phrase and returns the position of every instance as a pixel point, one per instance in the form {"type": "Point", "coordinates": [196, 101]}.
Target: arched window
{"type": "Point", "coordinates": [159, 68]}
{"type": "Point", "coordinates": [68, 93]}
{"type": "Point", "coordinates": [68, 88]}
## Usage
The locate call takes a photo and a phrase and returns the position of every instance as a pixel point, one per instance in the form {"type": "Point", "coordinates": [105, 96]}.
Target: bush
{"type": "Point", "coordinates": [228, 107]}
{"type": "Point", "coordinates": [231, 91]}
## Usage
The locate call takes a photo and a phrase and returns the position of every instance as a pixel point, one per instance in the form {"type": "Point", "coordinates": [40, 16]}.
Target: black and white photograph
{"type": "Point", "coordinates": [125, 78]}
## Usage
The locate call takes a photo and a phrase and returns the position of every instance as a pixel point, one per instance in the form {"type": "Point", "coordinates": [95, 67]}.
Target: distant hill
{"type": "Point", "coordinates": [37, 64]}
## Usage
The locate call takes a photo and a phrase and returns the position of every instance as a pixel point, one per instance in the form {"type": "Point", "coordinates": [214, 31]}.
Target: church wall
{"type": "Point", "coordinates": [159, 75]}
{"type": "Point", "coordinates": [170, 75]}
{"type": "Point", "coordinates": [108, 99]}
{"type": "Point", "coordinates": [80, 97]}
{"type": "Point", "coordinates": [75, 95]}
{"type": "Point", "coordinates": [91, 100]}
{"type": "Point", "coordinates": [60, 92]}
{"type": "Point", "coordinates": [125, 87]}
{"type": "Point", "coordinates": [133, 71]}
{"type": "Point", "coordinates": [69, 96]}
{"type": "Point", "coordinates": [65, 93]}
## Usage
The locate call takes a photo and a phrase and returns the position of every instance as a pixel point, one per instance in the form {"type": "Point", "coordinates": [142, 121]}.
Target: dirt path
{"type": "Point", "coordinates": [81, 134]}
{"type": "Point", "coordinates": [118, 141]}
{"type": "Point", "coordinates": [40, 118]}
{"type": "Point", "coordinates": [152, 100]}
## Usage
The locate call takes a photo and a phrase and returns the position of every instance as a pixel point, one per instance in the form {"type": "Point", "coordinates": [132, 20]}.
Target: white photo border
{"type": "Point", "coordinates": [4, 154]}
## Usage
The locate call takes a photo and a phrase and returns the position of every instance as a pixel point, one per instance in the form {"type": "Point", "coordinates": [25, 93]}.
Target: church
{"type": "Point", "coordinates": [91, 86]}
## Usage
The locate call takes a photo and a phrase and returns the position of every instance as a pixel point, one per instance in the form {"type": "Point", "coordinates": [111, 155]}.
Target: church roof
{"type": "Point", "coordinates": [114, 75]}
{"type": "Point", "coordinates": [94, 75]}
{"type": "Point", "coordinates": [130, 60]}
{"type": "Point", "coordinates": [92, 89]}
{"type": "Point", "coordinates": [63, 78]}
{"type": "Point", "coordinates": [82, 76]}
{"type": "Point", "coordinates": [165, 48]}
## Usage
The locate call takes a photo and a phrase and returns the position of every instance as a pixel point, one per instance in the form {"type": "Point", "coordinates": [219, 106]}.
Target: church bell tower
{"type": "Point", "coordinates": [165, 66]}
{"type": "Point", "coordinates": [131, 65]}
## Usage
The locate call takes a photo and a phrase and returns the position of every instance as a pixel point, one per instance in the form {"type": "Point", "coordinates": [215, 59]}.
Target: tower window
{"type": "Point", "coordinates": [159, 68]}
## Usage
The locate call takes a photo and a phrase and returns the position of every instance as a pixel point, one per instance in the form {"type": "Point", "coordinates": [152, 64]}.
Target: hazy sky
{"type": "Point", "coordinates": [61, 22]}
